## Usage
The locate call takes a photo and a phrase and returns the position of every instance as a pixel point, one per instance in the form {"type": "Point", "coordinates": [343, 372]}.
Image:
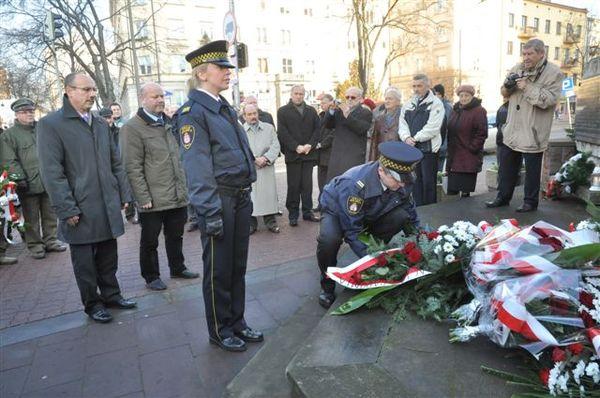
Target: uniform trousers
{"type": "Point", "coordinates": [225, 258]}
{"type": "Point", "coordinates": [37, 210]}
{"type": "Point", "coordinates": [299, 187]}
{"type": "Point", "coordinates": [95, 267]}
{"type": "Point", "coordinates": [172, 222]}
{"type": "Point", "coordinates": [425, 187]}
{"type": "Point", "coordinates": [331, 235]}
{"type": "Point", "coordinates": [508, 175]}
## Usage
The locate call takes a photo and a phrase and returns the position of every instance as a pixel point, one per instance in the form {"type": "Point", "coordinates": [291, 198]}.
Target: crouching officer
{"type": "Point", "coordinates": [375, 197]}
{"type": "Point", "coordinates": [219, 167]}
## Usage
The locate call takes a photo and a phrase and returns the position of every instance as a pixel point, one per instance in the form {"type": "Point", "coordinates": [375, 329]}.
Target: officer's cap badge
{"type": "Point", "coordinates": [354, 204]}
{"type": "Point", "coordinates": [188, 132]}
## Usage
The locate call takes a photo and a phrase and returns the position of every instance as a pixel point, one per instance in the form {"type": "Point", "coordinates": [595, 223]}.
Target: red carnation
{"type": "Point", "coordinates": [558, 355]}
{"type": "Point", "coordinates": [415, 256]}
{"type": "Point", "coordinates": [575, 348]}
{"type": "Point", "coordinates": [382, 261]}
{"type": "Point", "coordinates": [545, 376]}
{"type": "Point", "coordinates": [571, 227]}
{"type": "Point", "coordinates": [408, 247]}
{"type": "Point", "coordinates": [514, 222]}
{"type": "Point", "coordinates": [432, 235]}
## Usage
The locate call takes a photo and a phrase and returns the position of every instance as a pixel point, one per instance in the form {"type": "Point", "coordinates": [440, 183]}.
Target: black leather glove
{"type": "Point", "coordinates": [22, 186]}
{"type": "Point", "coordinates": [214, 227]}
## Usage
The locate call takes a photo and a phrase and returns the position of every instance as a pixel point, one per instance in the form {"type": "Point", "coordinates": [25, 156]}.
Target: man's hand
{"type": "Point", "coordinates": [73, 221]}
{"type": "Point", "coordinates": [22, 186]}
{"type": "Point", "coordinates": [147, 206]}
{"type": "Point", "coordinates": [261, 161]}
{"type": "Point", "coordinates": [307, 148]}
{"type": "Point", "coordinates": [214, 227]}
{"type": "Point", "coordinates": [522, 83]}
{"type": "Point", "coordinates": [411, 141]}
{"type": "Point", "coordinates": [345, 109]}
{"type": "Point", "coordinates": [300, 149]}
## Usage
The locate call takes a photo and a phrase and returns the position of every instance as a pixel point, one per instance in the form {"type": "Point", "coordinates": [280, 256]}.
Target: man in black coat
{"type": "Point", "coordinates": [352, 122]}
{"type": "Point", "coordinates": [83, 175]}
{"type": "Point", "coordinates": [298, 131]}
{"type": "Point", "coordinates": [324, 144]}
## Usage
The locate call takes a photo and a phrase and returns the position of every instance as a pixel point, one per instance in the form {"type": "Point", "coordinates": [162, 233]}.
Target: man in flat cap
{"type": "Point", "coordinates": [219, 168]}
{"type": "Point", "coordinates": [18, 152]}
{"type": "Point", "coordinates": [376, 197]}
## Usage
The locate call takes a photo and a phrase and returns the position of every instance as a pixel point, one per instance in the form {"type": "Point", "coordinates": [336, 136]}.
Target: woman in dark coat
{"type": "Point", "coordinates": [386, 124]}
{"type": "Point", "coordinates": [467, 131]}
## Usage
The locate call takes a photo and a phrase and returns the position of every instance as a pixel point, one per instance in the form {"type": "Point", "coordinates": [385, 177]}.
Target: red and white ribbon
{"type": "Point", "coordinates": [9, 201]}
{"type": "Point", "coordinates": [594, 335]}
{"type": "Point", "coordinates": [515, 316]}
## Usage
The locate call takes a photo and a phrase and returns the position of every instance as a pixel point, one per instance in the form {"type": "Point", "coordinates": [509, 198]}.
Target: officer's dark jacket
{"type": "Point", "coordinates": [215, 151]}
{"type": "Point", "coordinates": [362, 184]}
{"type": "Point", "coordinates": [294, 129]}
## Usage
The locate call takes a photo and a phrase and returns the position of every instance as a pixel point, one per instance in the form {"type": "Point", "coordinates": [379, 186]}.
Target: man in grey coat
{"type": "Point", "coordinates": [83, 175]}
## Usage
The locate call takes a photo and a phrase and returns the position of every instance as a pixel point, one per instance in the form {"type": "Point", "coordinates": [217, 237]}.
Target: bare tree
{"type": "Point", "coordinates": [408, 19]}
{"type": "Point", "coordinates": [88, 45]}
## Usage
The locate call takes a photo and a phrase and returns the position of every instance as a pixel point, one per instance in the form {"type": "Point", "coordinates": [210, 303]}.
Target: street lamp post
{"type": "Point", "coordinates": [236, 81]}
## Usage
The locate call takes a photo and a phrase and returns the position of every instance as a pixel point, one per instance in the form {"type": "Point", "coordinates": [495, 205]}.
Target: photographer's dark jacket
{"type": "Point", "coordinates": [531, 111]}
{"type": "Point", "coordinates": [422, 120]}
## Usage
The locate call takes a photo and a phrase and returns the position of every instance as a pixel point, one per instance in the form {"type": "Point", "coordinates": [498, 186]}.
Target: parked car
{"type": "Point", "coordinates": [490, 143]}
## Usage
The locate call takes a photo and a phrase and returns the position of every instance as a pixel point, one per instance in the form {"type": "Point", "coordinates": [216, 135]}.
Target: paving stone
{"type": "Point", "coordinates": [281, 303]}
{"type": "Point", "coordinates": [171, 373]}
{"type": "Point", "coordinates": [149, 312]}
{"type": "Point", "coordinates": [16, 355]}
{"type": "Point", "coordinates": [72, 334]}
{"type": "Point", "coordinates": [114, 336]}
{"type": "Point", "coordinates": [56, 364]}
{"type": "Point", "coordinates": [258, 317]}
{"type": "Point", "coordinates": [137, 394]}
{"type": "Point", "coordinates": [197, 335]}
{"type": "Point", "coordinates": [113, 374]}
{"type": "Point", "coordinates": [67, 390]}
{"type": "Point", "coordinates": [159, 332]}
{"type": "Point", "coordinates": [12, 381]}
{"type": "Point", "coordinates": [190, 309]}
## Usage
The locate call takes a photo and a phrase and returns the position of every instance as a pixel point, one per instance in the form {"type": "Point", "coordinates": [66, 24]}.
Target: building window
{"type": "Point", "coordinates": [287, 65]}
{"type": "Point", "coordinates": [558, 28]}
{"type": "Point", "coordinates": [179, 64]}
{"type": "Point", "coordinates": [263, 4]}
{"type": "Point", "coordinates": [142, 29]}
{"type": "Point", "coordinates": [286, 37]}
{"type": "Point", "coordinates": [262, 35]}
{"type": "Point", "coordinates": [523, 21]}
{"type": "Point", "coordinates": [569, 29]}
{"type": "Point", "coordinates": [578, 31]}
{"type": "Point", "coordinates": [511, 20]}
{"type": "Point", "coordinates": [441, 4]}
{"type": "Point", "coordinates": [556, 53]}
{"type": "Point", "coordinates": [284, 10]}
{"type": "Point", "coordinates": [310, 66]}
{"type": "Point", "coordinates": [263, 65]}
{"type": "Point", "coordinates": [509, 48]}
{"type": "Point", "coordinates": [567, 54]}
{"type": "Point", "coordinates": [176, 29]}
{"type": "Point", "coordinates": [546, 50]}
{"type": "Point", "coordinates": [547, 26]}
{"type": "Point", "coordinates": [308, 12]}
{"type": "Point", "coordinates": [139, 2]}
{"type": "Point", "coordinates": [418, 64]}
{"type": "Point", "coordinates": [145, 65]}
{"type": "Point", "coordinates": [577, 54]}
{"type": "Point", "coordinates": [442, 34]}
{"type": "Point", "coordinates": [536, 24]}
{"type": "Point", "coordinates": [521, 48]}
{"type": "Point", "coordinates": [442, 62]}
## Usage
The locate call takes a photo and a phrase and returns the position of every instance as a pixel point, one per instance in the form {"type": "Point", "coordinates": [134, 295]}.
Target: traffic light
{"type": "Point", "coordinates": [54, 24]}
{"type": "Point", "coordinates": [242, 55]}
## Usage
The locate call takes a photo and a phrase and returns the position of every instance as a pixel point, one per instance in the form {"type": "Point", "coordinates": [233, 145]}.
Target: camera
{"type": "Point", "coordinates": [511, 81]}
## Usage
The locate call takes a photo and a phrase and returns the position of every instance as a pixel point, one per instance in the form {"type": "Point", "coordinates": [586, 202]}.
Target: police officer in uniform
{"type": "Point", "coordinates": [219, 167]}
{"type": "Point", "coordinates": [376, 197]}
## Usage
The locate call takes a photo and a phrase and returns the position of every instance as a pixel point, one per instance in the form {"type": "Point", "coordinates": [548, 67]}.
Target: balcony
{"type": "Point", "coordinates": [568, 63]}
{"type": "Point", "coordinates": [571, 38]}
{"type": "Point", "coordinates": [526, 33]}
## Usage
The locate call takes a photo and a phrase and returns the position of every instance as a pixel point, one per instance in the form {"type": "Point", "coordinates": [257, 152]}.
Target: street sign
{"type": "Point", "coordinates": [567, 85]}
{"type": "Point", "coordinates": [229, 27]}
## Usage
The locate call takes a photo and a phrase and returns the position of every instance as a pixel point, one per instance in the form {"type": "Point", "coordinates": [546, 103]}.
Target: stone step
{"type": "Point", "coordinates": [264, 375]}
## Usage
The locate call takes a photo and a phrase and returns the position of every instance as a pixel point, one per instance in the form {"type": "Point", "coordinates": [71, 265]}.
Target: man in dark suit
{"type": "Point", "coordinates": [324, 144]}
{"type": "Point", "coordinates": [298, 130]}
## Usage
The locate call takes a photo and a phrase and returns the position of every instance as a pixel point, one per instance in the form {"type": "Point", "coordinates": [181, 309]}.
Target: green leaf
{"type": "Point", "coordinates": [506, 375]}
{"type": "Point", "coordinates": [574, 256]}
{"type": "Point", "coordinates": [360, 299]}
{"type": "Point", "coordinates": [593, 210]}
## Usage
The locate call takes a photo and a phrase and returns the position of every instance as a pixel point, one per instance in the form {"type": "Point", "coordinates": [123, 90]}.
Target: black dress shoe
{"type": "Point", "coordinates": [274, 228]}
{"type": "Point", "coordinates": [100, 315]}
{"type": "Point", "coordinates": [250, 335]}
{"type": "Point", "coordinates": [233, 344]}
{"type": "Point", "coordinates": [526, 208]}
{"type": "Point", "coordinates": [496, 203]}
{"type": "Point", "coordinates": [122, 303]}
{"type": "Point", "coordinates": [156, 284]}
{"type": "Point", "coordinates": [311, 217]}
{"type": "Point", "coordinates": [326, 299]}
{"type": "Point", "coordinates": [293, 222]}
{"type": "Point", "coordinates": [185, 274]}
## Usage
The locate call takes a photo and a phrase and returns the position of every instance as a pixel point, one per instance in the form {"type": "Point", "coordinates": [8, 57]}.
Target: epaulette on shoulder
{"type": "Point", "coordinates": [185, 110]}
{"type": "Point", "coordinates": [359, 184]}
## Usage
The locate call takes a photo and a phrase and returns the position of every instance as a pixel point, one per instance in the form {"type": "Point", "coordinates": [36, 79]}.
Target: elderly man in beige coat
{"type": "Point", "coordinates": [534, 86]}
{"type": "Point", "coordinates": [265, 148]}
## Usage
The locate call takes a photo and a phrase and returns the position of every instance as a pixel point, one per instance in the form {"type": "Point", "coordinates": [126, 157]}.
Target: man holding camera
{"type": "Point", "coordinates": [534, 87]}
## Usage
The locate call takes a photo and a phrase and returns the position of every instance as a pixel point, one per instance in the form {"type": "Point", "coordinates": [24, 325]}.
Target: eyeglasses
{"type": "Point", "coordinates": [86, 89]}
{"type": "Point", "coordinates": [351, 97]}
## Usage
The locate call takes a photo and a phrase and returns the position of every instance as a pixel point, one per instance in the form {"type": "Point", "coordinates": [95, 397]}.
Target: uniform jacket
{"type": "Point", "coordinates": [18, 151]}
{"type": "Point", "coordinates": [325, 141]}
{"type": "Point", "coordinates": [423, 121]}
{"type": "Point", "coordinates": [531, 111]}
{"type": "Point", "coordinates": [214, 150]}
{"type": "Point", "coordinates": [83, 175]}
{"type": "Point", "coordinates": [152, 161]}
{"type": "Point", "coordinates": [264, 191]}
{"type": "Point", "coordinates": [385, 129]}
{"type": "Point", "coordinates": [294, 129]}
{"type": "Point", "coordinates": [349, 147]}
{"type": "Point", "coordinates": [467, 131]}
{"type": "Point", "coordinates": [356, 199]}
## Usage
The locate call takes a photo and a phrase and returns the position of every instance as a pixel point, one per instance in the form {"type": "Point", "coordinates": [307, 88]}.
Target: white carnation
{"type": "Point", "coordinates": [449, 258]}
{"type": "Point", "coordinates": [442, 228]}
{"type": "Point", "coordinates": [593, 371]}
{"type": "Point", "coordinates": [448, 248]}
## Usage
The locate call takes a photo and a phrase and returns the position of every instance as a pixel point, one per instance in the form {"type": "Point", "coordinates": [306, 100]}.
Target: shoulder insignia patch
{"type": "Point", "coordinates": [185, 109]}
{"type": "Point", "coordinates": [354, 204]}
{"type": "Point", "coordinates": [188, 132]}
{"type": "Point", "coordinates": [360, 184]}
